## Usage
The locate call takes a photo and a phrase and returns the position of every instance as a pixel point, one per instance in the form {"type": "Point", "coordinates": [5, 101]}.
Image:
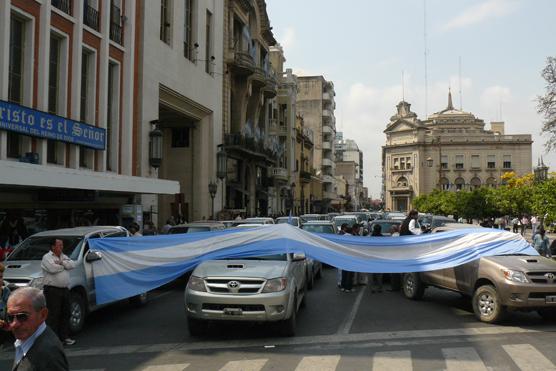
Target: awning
{"type": "Point", "coordinates": [23, 174]}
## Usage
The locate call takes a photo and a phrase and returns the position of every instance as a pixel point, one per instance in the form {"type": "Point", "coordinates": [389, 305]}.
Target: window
{"type": "Point", "coordinates": [475, 161]}
{"type": "Point", "coordinates": [459, 161]}
{"type": "Point", "coordinates": [402, 163]}
{"type": "Point", "coordinates": [188, 31]}
{"type": "Point", "coordinates": [507, 162]}
{"type": "Point", "coordinates": [51, 154]}
{"type": "Point", "coordinates": [444, 184]}
{"type": "Point", "coordinates": [83, 154]}
{"type": "Point", "coordinates": [444, 161]}
{"type": "Point", "coordinates": [408, 163]}
{"type": "Point", "coordinates": [85, 86]}
{"type": "Point", "coordinates": [491, 161]}
{"type": "Point", "coordinates": [165, 21]}
{"type": "Point", "coordinates": [115, 22]}
{"type": "Point", "coordinates": [208, 47]}
{"type": "Point", "coordinates": [15, 79]}
{"type": "Point", "coordinates": [460, 183]}
{"type": "Point", "coordinates": [112, 115]}
{"type": "Point", "coordinates": [91, 15]}
{"type": "Point", "coordinates": [53, 75]}
{"type": "Point", "coordinates": [180, 137]}
{"type": "Point", "coordinates": [396, 163]}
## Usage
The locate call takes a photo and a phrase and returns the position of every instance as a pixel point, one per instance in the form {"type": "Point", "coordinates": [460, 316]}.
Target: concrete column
{"type": "Point", "coordinates": [103, 76]}
{"type": "Point", "coordinates": [4, 64]}
{"type": "Point", "coordinates": [128, 86]}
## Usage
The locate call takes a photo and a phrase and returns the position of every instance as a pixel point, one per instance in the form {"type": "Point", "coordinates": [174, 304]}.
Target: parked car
{"type": "Point", "coordinates": [350, 220]}
{"type": "Point", "coordinates": [495, 284]}
{"type": "Point", "coordinates": [258, 289]}
{"type": "Point", "coordinates": [385, 225]}
{"type": "Point", "coordinates": [432, 221]}
{"type": "Point", "coordinates": [310, 217]}
{"type": "Point", "coordinates": [294, 220]}
{"type": "Point", "coordinates": [196, 227]}
{"type": "Point", "coordinates": [261, 220]}
{"type": "Point", "coordinates": [319, 226]}
{"type": "Point", "coordinates": [395, 215]}
{"type": "Point", "coordinates": [314, 267]}
{"type": "Point", "coordinates": [23, 266]}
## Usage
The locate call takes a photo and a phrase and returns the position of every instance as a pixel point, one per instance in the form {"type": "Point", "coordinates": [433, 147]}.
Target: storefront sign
{"type": "Point", "coordinates": [23, 120]}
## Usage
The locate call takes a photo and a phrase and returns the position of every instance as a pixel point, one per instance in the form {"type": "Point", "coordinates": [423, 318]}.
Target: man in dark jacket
{"type": "Point", "coordinates": [37, 347]}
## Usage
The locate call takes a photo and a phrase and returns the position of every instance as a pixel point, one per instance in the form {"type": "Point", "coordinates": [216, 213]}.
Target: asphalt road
{"type": "Point", "coordinates": [336, 331]}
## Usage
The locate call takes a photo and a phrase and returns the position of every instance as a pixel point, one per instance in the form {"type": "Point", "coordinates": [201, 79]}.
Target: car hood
{"type": "Point", "coordinates": [241, 268]}
{"type": "Point", "coordinates": [22, 269]}
{"type": "Point", "coordinates": [524, 263]}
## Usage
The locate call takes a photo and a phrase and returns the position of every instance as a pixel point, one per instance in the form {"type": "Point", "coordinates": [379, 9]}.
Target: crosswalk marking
{"type": "Point", "coordinates": [463, 359]}
{"type": "Point", "coordinates": [316, 363]}
{"type": "Point", "coordinates": [397, 361]}
{"type": "Point", "coordinates": [528, 358]}
{"type": "Point", "coordinates": [245, 365]}
{"type": "Point", "coordinates": [174, 367]}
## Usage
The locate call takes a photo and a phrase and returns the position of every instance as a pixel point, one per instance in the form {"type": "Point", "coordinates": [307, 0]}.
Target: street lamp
{"type": "Point", "coordinates": [155, 145]}
{"type": "Point", "coordinates": [212, 190]}
{"type": "Point", "coordinates": [221, 168]}
{"type": "Point", "coordinates": [292, 189]}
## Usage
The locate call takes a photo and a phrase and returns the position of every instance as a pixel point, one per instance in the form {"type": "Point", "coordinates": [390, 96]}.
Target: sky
{"type": "Point", "coordinates": [365, 46]}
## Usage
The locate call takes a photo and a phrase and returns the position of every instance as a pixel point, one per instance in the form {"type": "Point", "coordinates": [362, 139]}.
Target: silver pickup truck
{"type": "Point", "coordinates": [495, 284]}
{"type": "Point", "coordinates": [23, 266]}
{"type": "Point", "coordinates": [258, 289]}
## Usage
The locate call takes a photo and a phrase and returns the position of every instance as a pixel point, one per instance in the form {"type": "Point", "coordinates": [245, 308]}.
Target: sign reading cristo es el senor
{"type": "Point", "coordinates": [23, 120]}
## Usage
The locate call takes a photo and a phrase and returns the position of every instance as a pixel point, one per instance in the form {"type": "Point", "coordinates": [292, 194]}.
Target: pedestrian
{"type": "Point", "coordinates": [346, 283]}
{"type": "Point", "coordinates": [524, 224]}
{"type": "Point", "coordinates": [358, 277]}
{"type": "Point", "coordinates": [4, 294]}
{"type": "Point", "coordinates": [394, 231]}
{"type": "Point", "coordinates": [149, 229]}
{"type": "Point", "coordinates": [410, 225]}
{"type": "Point", "coordinates": [134, 230]}
{"type": "Point", "coordinates": [169, 223]}
{"type": "Point", "coordinates": [542, 244]}
{"type": "Point", "coordinates": [534, 225]}
{"type": "Point", "coordinates": [515, 224]}
{"type": "Point", "coordinates": [37, 348]}
{"type": "Point", "coordinates": [56, 266]}
{"type": "Point", "coordinates": [376, 278]}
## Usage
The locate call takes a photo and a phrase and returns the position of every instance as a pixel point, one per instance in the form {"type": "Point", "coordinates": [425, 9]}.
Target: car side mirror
{"type": "Point", "coordinates": [93, 256]}
{"type": "Point", "coordinates": [298, 257]}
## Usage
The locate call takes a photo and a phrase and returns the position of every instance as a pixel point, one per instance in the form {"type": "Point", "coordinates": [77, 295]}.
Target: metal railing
{"type": "Point", "coordinates": [116, 25]}
{"type": "Point", "coordinates": [91, 17]}
{"type": "Point", "coordinates": [63, 5]}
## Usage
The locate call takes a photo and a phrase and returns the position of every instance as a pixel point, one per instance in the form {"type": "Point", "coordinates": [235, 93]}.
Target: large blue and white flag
{"type": "Point", "coordinates": [134, 265]}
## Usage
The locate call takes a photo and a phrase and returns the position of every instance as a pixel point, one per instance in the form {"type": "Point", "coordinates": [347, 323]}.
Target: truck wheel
{"type": "Point", "coordinates": [196, 327]}
{"type": "Point", "coordinates": [547, 314]}
{"type": "Point", "coordinates": [413, 287]}
{"type": "Point", "coordinates": [139, 300]}
{"type": "Point", "coordinates": [487, 305]}
{"type": "Point", "coordinates": [287, 327]}
{"type": "Point", "coordinates": [77, 312]}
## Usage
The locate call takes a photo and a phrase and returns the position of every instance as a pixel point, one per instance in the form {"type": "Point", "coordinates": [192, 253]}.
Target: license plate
{"type": "Point", "coordinates": [233, 311]}
{"type": "Point", "coordinates": [551, 299]}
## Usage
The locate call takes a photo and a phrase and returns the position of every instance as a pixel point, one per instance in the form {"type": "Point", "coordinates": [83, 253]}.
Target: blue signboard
{"type": "Point", "coordinates": [35, 123]}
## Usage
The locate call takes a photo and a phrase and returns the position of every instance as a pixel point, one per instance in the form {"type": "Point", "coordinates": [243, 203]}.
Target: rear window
{"type": "Point", "coordinates": [384, 226]}
{"type": "Point", "coordinates": [34, 248]}
{"type": "Point", "coordinates": [279, 257]}
{"type": "Point", "coordinates": [178, 230]}
{"type": "Point", "coordinates": [294, 222]}
{"type": "Point", "coordinates": [318, 228]}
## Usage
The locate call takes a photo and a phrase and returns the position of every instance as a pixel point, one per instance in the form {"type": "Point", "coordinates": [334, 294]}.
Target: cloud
{"type": "Point", "coordinates": [480, 12]}
{"type": "Point", "coordinates": [288, 40]}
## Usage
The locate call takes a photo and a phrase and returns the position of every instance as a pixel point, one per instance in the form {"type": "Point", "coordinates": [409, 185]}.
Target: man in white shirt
{"type": "Point", "coordinates": [55, 266]}
{"type": "Point", "coordinates": [410, 225]}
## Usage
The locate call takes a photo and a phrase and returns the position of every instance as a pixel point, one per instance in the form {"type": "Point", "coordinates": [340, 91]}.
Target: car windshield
{"type": "Point", "coordinates": [34, 248]}
{"type": "Point", "coordinates": [280, 257]}
{"type": "Point", "coordinates": [286, 220]}
{"type": "Point", "coordinates": [198, 229]}
{"type": "Point", "coordinates": [308, 218]}
{"type": "Point", "coordinates": [384, 226]}
{"type": "Point", "coordinates": [318, 228]}
{"type": "Point", "coordinates": [349, 221]}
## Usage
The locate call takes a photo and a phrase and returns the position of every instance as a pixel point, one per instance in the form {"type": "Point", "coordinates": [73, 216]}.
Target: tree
{"type": "Point", "coordinates": [547, 102]}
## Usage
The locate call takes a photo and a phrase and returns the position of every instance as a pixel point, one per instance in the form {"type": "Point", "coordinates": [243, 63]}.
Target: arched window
{"type": "Point", "coordinates": [475, 183]}
{"type": "Point", "coordinates": [444, 184]}
{"type": "Point", "coordinates": [460, 183]}
{"type": "Point", "coordinates": [491, 182]}
{"type": "Point", "coordinates": [402, 182]}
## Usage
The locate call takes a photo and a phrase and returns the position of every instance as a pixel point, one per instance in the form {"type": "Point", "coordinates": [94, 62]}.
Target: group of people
{"type": "Point", "coordinates": [410, 226]}
{"type": "Point", "coordinates": [39, 319]}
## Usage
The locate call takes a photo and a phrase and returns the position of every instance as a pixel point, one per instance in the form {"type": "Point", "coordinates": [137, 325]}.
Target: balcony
{"type": "Point", "coordinates": [326, 162]}
{"type": "Point", "coordinates": [327, 129]}
{"type": "Point", "coordinates": [63, 5]}
{"type": "Point", "coordinates": [329, 195]}
{"type": "Point", "coordinates": [280, 174]}
{"type": "Point", "coordinates": [327, 115]}
{"type": "Point", "coordinates": [249, 147]}
{"type": "Point", "coordinates": [305, 176]}
{"type": "Point", "coordinates": [271, 87]}
{"type": "Point", "coordinates": [326, 145]}
{"type": "Point", "coordinates": [280, 129]}
{"type": "Point", "coordinates": [258, 78]}
{"type": "Point", "coordinates": [326, 97]}
{"type": "Point", "coordinates": [328, 179]}
{"type": "Point", "coordinates": [91, 17]}
{"type": "Point", "coordinates": [242, 63]}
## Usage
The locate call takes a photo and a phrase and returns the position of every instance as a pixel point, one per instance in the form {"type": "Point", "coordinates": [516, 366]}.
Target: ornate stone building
{"type": "Point", "coordinates": [450, 150]}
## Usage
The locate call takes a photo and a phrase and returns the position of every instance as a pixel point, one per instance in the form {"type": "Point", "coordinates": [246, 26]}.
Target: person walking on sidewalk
{"type": "Point", "coordinates": [541, 243]}
{"type": "Point", "coordinates": [376, 278]}
{"type": "Point", "coordinates": [56, 266]}
{"type": "Point", "coordinates": [524, 224]}
{"type": "Point", "coordinates": [534, 226]}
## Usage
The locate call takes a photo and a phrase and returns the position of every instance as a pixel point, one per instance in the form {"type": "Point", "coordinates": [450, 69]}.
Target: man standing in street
{"type": "Point", "coordinates": [36, 347]}
{"type": "Point", "coordinates": [410, 226]}
{"type": "Point", "coordinates": [55, 266]}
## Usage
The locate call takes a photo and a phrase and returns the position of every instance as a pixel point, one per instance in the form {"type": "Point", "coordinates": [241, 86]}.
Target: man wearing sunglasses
{"type": "Point", "coordinates": [36, 347]}
{"type": "Point", "coordinates": [55, 266]}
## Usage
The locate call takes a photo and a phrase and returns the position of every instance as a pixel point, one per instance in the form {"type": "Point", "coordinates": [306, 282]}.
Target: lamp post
{"type": "Point", "coordinates": [155, 145]}
{"type": "Point", "coordinates": [212, 190]}
{"type": "Point", "coordinates": [221, 168]}
{"type": "Point", "coordinates": [292, 190]}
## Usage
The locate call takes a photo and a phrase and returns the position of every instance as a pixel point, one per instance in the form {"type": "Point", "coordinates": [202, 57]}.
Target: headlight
{"type": "Point", "coordinates": [515, 276]}
{"type": "Point", "coordinates": [196, 284]}
{"type": "Point", "coordinates": [36, 282]}
{"type": "Point", "coordinates": [276, 284]}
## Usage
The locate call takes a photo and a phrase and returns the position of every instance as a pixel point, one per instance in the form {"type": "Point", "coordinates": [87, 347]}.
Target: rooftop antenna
{"type": "Point", "coordinates": [426, 57]}
{"type": "Point", "coordinates": [500, 107]}
{"type": "Point", "coordinates": [403, 87]}
{"type": "Point", "coordinates": [460, 94]}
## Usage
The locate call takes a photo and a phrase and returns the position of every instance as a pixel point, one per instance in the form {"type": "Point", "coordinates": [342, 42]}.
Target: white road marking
{"type": "Point", "coordinates": [348, 322]}
{"type": "Point", "coordinates": [528, 358]}
{"type": "Point", "coordinates": [316, 363]}
{"type": "Point", "coordinates": [245, 365]}
{"type": "Point", "coordinates": [392, 361]}
{"type": "Point", "coordinates": [463, 359]}
{"type": "Point", "coordinates": [173, 367]}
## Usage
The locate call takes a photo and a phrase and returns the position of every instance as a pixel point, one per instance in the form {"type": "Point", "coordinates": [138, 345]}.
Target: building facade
{"type": "Point", "coordinates": [179, 73]}
{"type": "Point", "coordinates": [450, 150]}
{"type": "Point", "coordinates": [315, 103]}
{"type": "Point", "coordinates": [67, 129]}
{"type": "Point", "coordinates": [347, 153]}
